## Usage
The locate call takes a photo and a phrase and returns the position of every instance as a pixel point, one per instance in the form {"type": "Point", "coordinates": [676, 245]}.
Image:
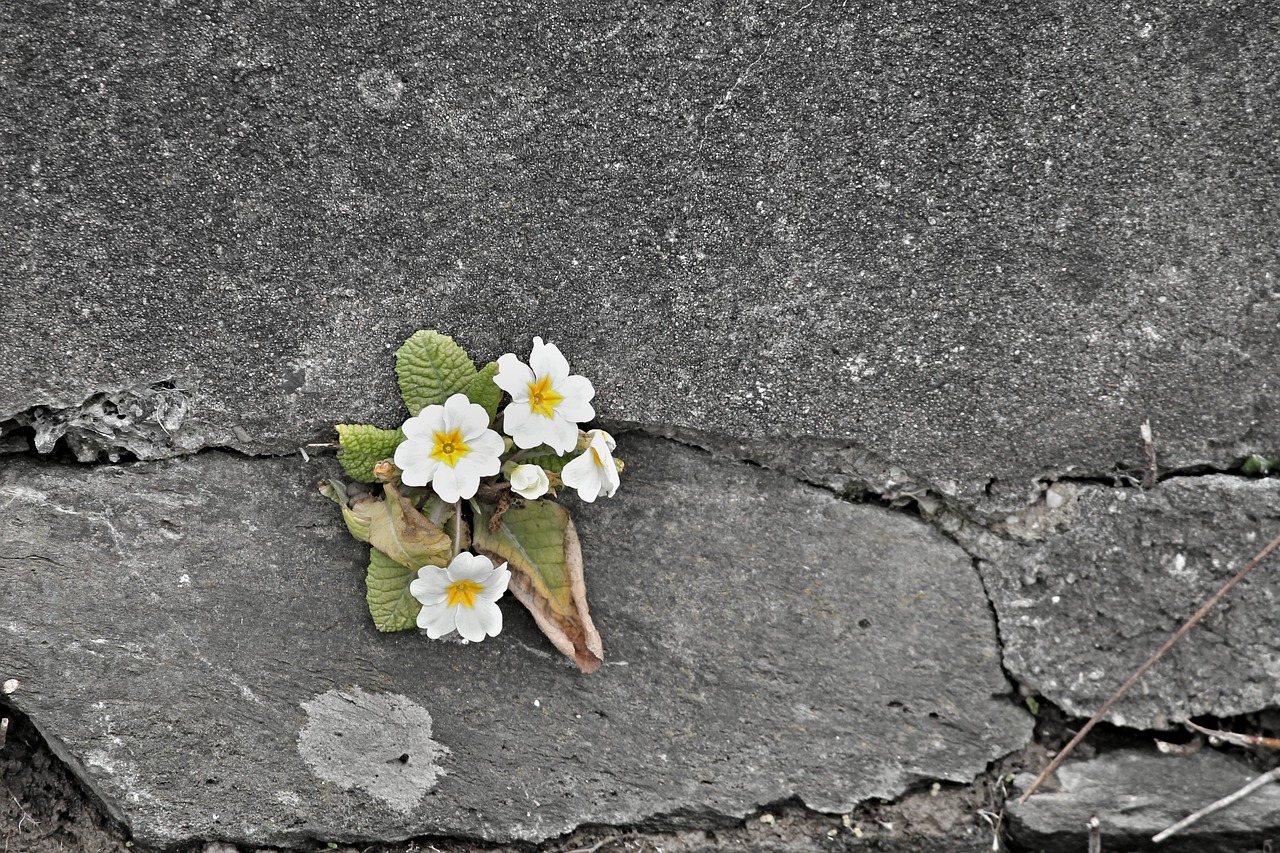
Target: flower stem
{"type": "Point", "coordinates": [457, 527]}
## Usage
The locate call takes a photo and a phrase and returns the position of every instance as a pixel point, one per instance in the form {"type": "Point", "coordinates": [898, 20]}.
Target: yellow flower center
{"type": "Point", "coordinates": [542, 400]}
{"type": "Point", "coordinates": [463, 592]}
{"type": "Point", "coordinates": [596, 456]}
{"type": "Point", "coordinates": [450, 447]}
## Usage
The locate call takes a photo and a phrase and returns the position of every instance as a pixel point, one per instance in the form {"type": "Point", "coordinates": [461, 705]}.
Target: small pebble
{"type": "Point", "coordinates": [10, 686]}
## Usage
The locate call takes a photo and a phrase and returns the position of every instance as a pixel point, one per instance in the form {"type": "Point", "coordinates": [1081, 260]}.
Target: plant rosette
{"type": "Point", "coordinates": [464, 514]}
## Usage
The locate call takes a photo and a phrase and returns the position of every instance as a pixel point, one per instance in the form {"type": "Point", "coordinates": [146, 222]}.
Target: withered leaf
{"type": "Point", "coordinates": [399, 530]}
{"type": "Point", "coordinates": [540, 545]}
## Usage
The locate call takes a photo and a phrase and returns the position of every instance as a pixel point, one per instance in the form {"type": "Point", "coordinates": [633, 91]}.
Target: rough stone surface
{"type": "Point", "coordinates": [983, 241]}
{"type": "Point", "coordinates": [1138, 794]}
{"type": "Point", "coordinates": [765, 640]}
{"type": "Point", "coordinates": [1091, 581]}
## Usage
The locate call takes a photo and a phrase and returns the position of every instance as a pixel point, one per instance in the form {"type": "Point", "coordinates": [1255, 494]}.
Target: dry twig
{"type": "Point", "coordinates": [26, 815]}
{"type": "Point", "coordinates": [1233, 737]}
{"type": "Point", "coordinates": [1269, 776]}
{"type": "Point", "coordinates": [1151, 661]}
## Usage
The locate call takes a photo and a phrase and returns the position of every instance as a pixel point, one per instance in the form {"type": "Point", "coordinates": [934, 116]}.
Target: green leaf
{"type": "Point", "coordinates": [363, 446]}
{"type": "Point", "coordinates": [482, 390]}
{"type": "Point", "coordinates": [430, 368]}
{"type": "Point", "coordinates": [551, 462]}
{"type": "Point", "coordinates": [540, 545]}
{"type": "Point", "coordinates": [401, 532]}
{"type": "Point", "coordinates": [1258, 465]}
{"type": "Point", "coordinates": [391, 605]}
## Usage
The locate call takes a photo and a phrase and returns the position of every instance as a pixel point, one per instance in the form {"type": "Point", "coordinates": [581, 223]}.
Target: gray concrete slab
{"type": "Point", "coordinates": [1093, 580]}
{"type": "Point", "coordinates": [193, 635]}
{"type": "Point", "coordinates": [981, 243]}
{"type": "Point", "coordinates": [1135, 795]}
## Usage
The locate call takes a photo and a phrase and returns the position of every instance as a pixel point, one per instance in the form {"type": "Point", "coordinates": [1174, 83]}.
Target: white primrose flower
{"type": "Point", "coordinates": [547, 404]}
{"type": "Point", "coordinates": [462, 597]}
{"type": "Point", "coordinates": [594, 472]}
{"type": "Point", "coordinates": [529, 481]}
{"type": "Point", "coordinates": [451, 447]}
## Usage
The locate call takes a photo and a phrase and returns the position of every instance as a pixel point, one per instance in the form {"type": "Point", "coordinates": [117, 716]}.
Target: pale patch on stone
{"type": "Point", "coordinates": [380, 88]}
{"type": "Point", "coordinates": [378, 742]}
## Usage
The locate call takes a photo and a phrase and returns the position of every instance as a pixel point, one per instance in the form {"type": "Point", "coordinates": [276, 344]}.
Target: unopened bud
{"type": "Point", "coordinates": [386, 471]}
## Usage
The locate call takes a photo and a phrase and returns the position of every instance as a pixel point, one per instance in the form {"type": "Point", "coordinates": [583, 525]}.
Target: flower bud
{"type": "Point", "coordinates": [529, 481]}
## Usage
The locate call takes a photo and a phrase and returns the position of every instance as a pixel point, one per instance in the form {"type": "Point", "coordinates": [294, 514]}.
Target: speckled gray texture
{"type": "Point", "coordinates": [983, 242]}
{"type": "Point", "coordinates": [764, 640]}
{"type": "Point", "coordinates": [1093, 581]}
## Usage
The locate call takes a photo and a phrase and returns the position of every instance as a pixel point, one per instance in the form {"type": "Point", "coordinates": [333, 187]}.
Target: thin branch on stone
{"type": "Point", "coordinates": [1269, 776]}
{"type": "Point", "coordinates": [994, 821]}
{"type": "Point", "coordinates": [1234, 737]}
{"type": "Point", "coordinates": [1151, 661]}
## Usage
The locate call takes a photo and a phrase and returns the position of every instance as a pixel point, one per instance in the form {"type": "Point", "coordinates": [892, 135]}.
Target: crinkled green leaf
{"type": "Point", "coordinates": [399, 530]}
{"type": "Point", "coordinates": [363, 446]}
{"type": "Point", "coordinates": [391, 605]}
{"type": "Point", "coordinates": [551, 461]}
{"type": "Point", "coordinates": [540, 545]}
{"type": "Point", "coordinates": [430, 368]}
{"type": "Point", "coordinates": [482, 390]}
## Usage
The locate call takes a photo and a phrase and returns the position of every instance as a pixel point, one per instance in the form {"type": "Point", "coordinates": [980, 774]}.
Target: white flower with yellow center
{"type": "Point", "coordinates": [451, 447]}
{"type": "Point", "coordinates": [547, 404]}
{"type": "Point", "coordinates": [594, 472]}
{"type": "Point", "coordinates": [528, 481]}
{"type": "Point", "coordinates": [462, 597]}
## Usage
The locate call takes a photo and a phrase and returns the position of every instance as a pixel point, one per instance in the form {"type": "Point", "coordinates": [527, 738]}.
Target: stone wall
{"type": "Point", "coordinates": [890, 288]}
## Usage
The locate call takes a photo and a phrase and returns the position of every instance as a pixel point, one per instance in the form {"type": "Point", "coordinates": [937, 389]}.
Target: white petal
{"type": "Point", "coordinates": [416, 428]}
{"type": "Point", "coordinates": [576, 405]}
{"type": "Point", "coordinates": [497, 584]}
{"type": "Point", "coordinates": [462, 562]}
{"type": "Point", "coordinates": [432, 417]}
{"type": "Point", "coordinates": [583, 474]}
{"type": "Point", "coordinates": [467, 477]}
{"type": "Point", "coordinates": [413, 458]}
{"type": "Point", "coordinates": [474, 568]}
{"type": "Point", "coordinates": [601, 444]}
{"type": "Point", "coordinates": [562, 436]}
{"type": "Point", "coordinates": [431, 589]}
{"type": "Point", "coordinates": [527, 429]}
{"type": "Point", "coordinates": [437, 619]}
{"type": "Point", "coordinates": [514, 377]}
{"type": "Point", "coordinates": [486, 448]}
{"type": "Point", "coordinates": [475, 623]}
{"type": "Point", "coordinates": [516, 419]}
{"type": "Point", "coordinates": [546, 360]}
{"type": "Point", "coordinates": [445, 482]}
{"type": "Point", "coordinates": [416, 476]}
{"type": "Point", "coordinates": [610, 478]}
{"type": "Point", "coordinates": [456, 409]}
